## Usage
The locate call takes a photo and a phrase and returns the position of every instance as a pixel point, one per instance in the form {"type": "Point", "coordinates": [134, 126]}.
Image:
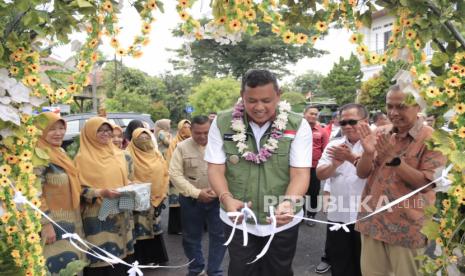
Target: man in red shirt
{"type": "Point", "coordinates": [320, 140]}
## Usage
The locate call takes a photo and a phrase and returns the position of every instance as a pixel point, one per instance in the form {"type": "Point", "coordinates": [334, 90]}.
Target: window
{"type": "Point", "coordinates": [72, 127]}
{"type": "Point", "coordinates": [387, 36]}
{"type": "Point", "coordinates": [126, 122]}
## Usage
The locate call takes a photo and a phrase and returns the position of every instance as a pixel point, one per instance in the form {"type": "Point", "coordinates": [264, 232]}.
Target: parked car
{"type": "Point", "coordinates": [75, 122]}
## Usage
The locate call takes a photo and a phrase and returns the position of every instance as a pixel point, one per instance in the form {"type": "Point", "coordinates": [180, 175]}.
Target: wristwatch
{"type": "Point", "coordinates": [394, 162]}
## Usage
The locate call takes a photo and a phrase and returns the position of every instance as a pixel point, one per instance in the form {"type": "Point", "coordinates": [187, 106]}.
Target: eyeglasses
{"type": "Point", "coordinates": [348, 122]}
{"type": "Point", "coordinates": [105, 130]}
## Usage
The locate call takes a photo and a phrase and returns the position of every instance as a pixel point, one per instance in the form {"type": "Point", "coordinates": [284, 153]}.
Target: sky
{"type": "Point", "coordinates": [155, 59]}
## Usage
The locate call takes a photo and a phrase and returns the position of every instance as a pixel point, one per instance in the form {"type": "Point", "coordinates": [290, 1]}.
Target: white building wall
{"type": "Point", "coordinates": [376, 39]}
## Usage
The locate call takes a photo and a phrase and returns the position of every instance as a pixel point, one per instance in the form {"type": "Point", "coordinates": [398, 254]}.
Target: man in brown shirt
{"type": "Point", "coordinates": [396, 162]}
{"type": "Point", "coordinates": [199, 203]}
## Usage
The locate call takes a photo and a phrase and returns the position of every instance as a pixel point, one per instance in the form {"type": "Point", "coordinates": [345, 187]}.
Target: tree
{"type": "Point", "coordinates": [131, 79]}
{"type": "Point", "coordinates": [297, 100]}
{"type": "Point", "coordinates": [308, 82]}
{"type": "Point", "coordinates": [178, 88]}
{"type": "Point", "coordinates": [343, 80]}
{"type": "Point", "coordinates": [132, 101]}
{"type": "Point", "coordinates": [373, 91]}
{"type": "Point", "coordinates": [214, 95]}
{"type": "Point", "coordinates": [264, 50]}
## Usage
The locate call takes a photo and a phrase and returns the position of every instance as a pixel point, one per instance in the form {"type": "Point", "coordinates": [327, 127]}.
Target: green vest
{"type": "Point", "coordinates": [248, 181]}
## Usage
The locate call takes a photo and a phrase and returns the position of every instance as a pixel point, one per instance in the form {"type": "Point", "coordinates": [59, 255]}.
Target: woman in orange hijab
{"type": "Point", "coordinates": [60, 196]}
{"type": "Point", "coordinates": [174, 219]}
{"type": "Point", "coordinates": [102, 169]}
{"type": "Point", "coordinates": [149, 167]}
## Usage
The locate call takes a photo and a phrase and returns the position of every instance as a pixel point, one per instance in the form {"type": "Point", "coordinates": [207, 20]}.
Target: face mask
{"type": "Point", "coordinates": [143, 144]}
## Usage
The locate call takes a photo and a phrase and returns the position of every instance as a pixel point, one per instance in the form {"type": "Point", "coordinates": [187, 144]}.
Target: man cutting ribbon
{"type": "Point", "coordinates": [258, 151]}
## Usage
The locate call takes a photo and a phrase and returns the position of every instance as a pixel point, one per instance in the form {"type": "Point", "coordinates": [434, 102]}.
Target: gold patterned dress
{"type": "Point", "coordinates": [103, 166]}
{"type": "Point", "coordinates": [57, 205]}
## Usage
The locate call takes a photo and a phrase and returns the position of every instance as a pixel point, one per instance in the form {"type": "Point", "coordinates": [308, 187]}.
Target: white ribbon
{"type": "Point", "coordinates": [135, 269]}
{"type": "Point", "coordinates": [246, 213]}
{"type": "Point", "coordinates": [19, 198]}
{"type": "Point", "coordinates": [273, 231]}
{"type": "Point", "coordinates": [110, 258]}
{"type": "Point", "coordinates": [443, 183]}
{"type": "Point", "coordinates": [442, 179]}
{"type": "Point", "coordinates": [236, 215]}
{"type": "Point", "coordinates": [338, 226]}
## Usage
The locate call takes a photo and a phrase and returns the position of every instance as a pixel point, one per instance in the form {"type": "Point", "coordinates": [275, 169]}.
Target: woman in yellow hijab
{"type": "Point", "coordinates": [60, 196]}
{"type": "Point", "coordinates": [149, 167]}
{"type": "Point", "coordinates": [102, 169]}
{"type": "Point", "coordinates": [174, 219]}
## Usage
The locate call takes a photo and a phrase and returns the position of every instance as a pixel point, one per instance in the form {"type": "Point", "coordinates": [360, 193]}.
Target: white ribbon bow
{"type": "Point", "coordinates": [443, 183]}
{"type": "Point", "coordinates": [135, 269]}
{"type": "Point", "coordinates": [19, 198]}
{"type": "Point", "coordinates": [246, 212]}
{"type": "Point", "coordinates": [337, 226]}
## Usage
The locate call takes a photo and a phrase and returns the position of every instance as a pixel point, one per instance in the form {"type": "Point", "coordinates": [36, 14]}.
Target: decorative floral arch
{"type": "Point", "coordinates": [26, 24]}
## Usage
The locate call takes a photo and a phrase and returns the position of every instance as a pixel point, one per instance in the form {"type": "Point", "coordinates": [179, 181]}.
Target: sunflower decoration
{"type": "Point", "coordinates": [14, 70]}
{"type": "Point", "coordinates": [250, 15]}
{"type": "Point", "coordinates": [453, 82]}
{"type": "Point", "coordinates": [438, 103]}
{"type": "Point", "coordinates": [362, 49]}
{"type": "Point", "coordinates": [288, 37]}
{"type": "Point", "coordinates": [449, 92]}
{"type": "Point", "coordinates": [321, 26]}
{"type": "Point", "coordinates": [221, 20]}
{"type": "Point", "coordinates": [235, 25]}
{"type": "Point", "coordinates": [459, 108]}
{"type": "Point", "coordinates": [107, 6]}
{"type": "Point", "coordinates": [146, 28]}
{"type": "Point", "coordinates": [354, 38]}
{"type": "Point", "coordinates": [410, 34]}
{"type": "Point", "coordinates": [184, 15]}
{"type": "Point", "coordinates": [432, 92]}
{"type": "Point", "coordinates": [301, 38]}
{"type": "Point", "coordinates": [374, 58]}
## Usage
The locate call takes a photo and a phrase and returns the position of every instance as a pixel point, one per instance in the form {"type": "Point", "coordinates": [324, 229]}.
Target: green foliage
{"type": "Point", "coordinates": [129, 89]}
{"type": "Point", "coordinates": [373, 91]}
{"type": "Point", "coordinates": [214, 95]}
{"type": "Point", "coordinates": [159, 111]}
{"type": "Point", "coordinates": [343, 80]}
{"type": "Point", "coordinates": [22, 21]}
{"type": "Point", "coordinates": [7, 265]}
{"type": "Point", "coordinates": [133, 80]}
{"type": "Point", "coordinates": [131, 101]}
{"type": "Point", "coordinates": [264, 50]}
{"type": "Point", "coordinates": [178, 89]}
{"type": "Point", "coordinates": [308, 82]}
{"type": "Point", "coordinates": [297, 100]}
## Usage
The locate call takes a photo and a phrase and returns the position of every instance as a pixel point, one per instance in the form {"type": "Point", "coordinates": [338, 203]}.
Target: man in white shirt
{"type": "Point", "coordinates": [345, 188]}
{"type": "Point", "coordinates": [260, 156]}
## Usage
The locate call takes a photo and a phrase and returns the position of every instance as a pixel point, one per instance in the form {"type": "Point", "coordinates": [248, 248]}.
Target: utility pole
{"type": "Point", "coordinates": [94, 88]}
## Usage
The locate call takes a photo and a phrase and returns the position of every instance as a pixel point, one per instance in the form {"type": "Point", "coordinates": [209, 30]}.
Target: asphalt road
{"type": "Point", "coordinates": [310, 246]}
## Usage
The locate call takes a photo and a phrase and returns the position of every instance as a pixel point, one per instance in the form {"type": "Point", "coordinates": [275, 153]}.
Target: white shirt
{"type": "Point", "coordinates": [344, 185]}
{"type": "Point", "coordinates": [300, 157]}
{"type": "Point", "coordinates": [301, 146]}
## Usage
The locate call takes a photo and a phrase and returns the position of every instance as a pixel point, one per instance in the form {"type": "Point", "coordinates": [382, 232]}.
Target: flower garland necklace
{"type": "Point", "coordinates": [265, 152]}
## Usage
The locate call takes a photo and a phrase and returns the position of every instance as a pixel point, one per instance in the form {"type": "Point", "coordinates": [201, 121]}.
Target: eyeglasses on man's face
{"type": "Point", "coordinates": [350, 122]}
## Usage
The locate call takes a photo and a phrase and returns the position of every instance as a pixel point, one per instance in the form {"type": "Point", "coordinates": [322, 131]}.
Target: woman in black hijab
{"type": "Point", "coordinates": [133, 125]}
